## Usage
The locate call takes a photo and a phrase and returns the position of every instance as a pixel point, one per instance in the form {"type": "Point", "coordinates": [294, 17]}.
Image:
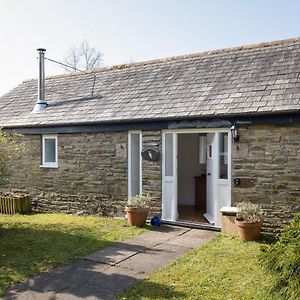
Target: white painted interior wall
{"type": "Point", "coordinates": [188, 167]}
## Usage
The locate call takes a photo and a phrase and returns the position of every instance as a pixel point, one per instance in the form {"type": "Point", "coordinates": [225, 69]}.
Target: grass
{"type": "Point", "coordinates": [36, 243]}
{"type": "Point", "coordinates": [226, 268]}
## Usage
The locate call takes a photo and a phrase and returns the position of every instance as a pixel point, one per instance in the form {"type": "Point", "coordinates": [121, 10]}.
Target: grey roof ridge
{"type": "Point", "coordinates": [209, 53]}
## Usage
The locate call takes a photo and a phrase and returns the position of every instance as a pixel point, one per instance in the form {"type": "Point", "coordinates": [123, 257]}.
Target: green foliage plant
{"type": "Point", "coordinates": [249, 212]}
{"type": "Point", "coordinates": [282, 259]}
{"type": "Point", "coordinates": [140, 201]}
{"type": "Point", "coordinates": [10, 146]}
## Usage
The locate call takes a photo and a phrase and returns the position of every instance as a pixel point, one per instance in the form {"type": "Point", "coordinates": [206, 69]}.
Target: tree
{"type": "Point", "coordinates": [84, 58]}
{"type": "Point", "coordinates": [10, 146]}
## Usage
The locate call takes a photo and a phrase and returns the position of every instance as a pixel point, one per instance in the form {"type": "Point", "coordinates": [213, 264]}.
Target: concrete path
{"type": "Point", "coordinates": [108, 272]}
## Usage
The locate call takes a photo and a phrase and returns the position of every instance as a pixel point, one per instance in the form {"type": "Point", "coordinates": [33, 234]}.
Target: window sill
{"type": "Point", "coordinates": [49, 166]}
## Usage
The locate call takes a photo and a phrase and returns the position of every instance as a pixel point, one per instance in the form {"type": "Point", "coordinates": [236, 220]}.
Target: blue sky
{"type": "Point", "coordinates": [133, 30]}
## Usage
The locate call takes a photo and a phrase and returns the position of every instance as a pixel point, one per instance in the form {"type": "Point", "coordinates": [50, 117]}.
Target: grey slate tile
{"type": "Point", "coordinates": [249, 80]}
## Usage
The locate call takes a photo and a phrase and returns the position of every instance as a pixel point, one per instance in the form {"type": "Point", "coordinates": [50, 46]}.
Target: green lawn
{"type": "Point", "coordinates": [225, 268]}
{"type": "Point", "coordinates": [35, 243]}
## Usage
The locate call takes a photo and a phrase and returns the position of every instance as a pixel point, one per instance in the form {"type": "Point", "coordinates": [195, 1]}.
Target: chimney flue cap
{"type": "Point", "coordinates": [41, 49]}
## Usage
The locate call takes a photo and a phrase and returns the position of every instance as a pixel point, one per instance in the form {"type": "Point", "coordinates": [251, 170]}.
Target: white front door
{"type": "Point", "coordinates": [210, 178]}
{"type": "Point", "coordinates": [223, 178]}
{"type": "Point", "coordinates": [169, 176]}
{"type": "Point", "coordinates": [218, 175]}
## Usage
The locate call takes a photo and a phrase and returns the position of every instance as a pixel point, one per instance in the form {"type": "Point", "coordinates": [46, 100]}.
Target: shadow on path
{"type": "Point", "coordinates": [83, 279]}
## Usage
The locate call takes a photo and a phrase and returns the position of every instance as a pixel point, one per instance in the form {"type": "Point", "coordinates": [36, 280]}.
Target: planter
{"type": "Point", "coordinates": [248, 231]}
{"type": "Point", "coordinates": [136, 216]}
{"type": "Point", "coordinates": [13, 203]}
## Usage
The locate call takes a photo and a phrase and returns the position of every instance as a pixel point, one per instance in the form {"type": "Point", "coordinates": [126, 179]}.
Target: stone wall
{"type": "Point", "coordinates": [152, 171]}
{"type": "Point", "coordinates": [92, 173]}
{"type": "Point", "coordinates": [267, 160]}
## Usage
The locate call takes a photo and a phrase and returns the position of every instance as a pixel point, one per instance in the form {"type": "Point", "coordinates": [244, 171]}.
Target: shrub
{"type": "Point", "coordinates": [248, 212]}
{"type": "Point", "coordinates": [9, 147]}
{"type": "Point", "coordinates": [142, 200]}
{"type": "Point", "coordinates": [283, 260]}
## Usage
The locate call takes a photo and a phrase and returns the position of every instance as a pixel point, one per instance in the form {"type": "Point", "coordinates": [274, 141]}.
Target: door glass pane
{"type": "Point", "coordinates": [223, 155]}
{"type": "Point", "coordinates": [50, 151]}
{"type": "Point", "coordinates": [202, 149]}
{"type": "Point", "coordinates": [169, 154]}
{"type": "Point", "coordinates": [135, 164]}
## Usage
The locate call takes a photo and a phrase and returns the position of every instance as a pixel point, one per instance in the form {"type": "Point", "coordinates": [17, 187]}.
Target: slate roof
{"type": "Point", "coordinates": [255, 79]}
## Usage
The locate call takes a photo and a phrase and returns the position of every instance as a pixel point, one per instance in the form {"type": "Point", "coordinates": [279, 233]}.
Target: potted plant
{"type": "Point", "coordinates": [248, 221]}
{"type": "Point", "coordinates": [137, 209]}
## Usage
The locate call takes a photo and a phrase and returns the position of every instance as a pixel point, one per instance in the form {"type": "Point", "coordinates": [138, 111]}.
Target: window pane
{"type": "Point", "coordinates": [135, 164]}
{"type": "Point", "coordinates": [169, 154]}
{"type": "Point", "coordinates": [223, 156]}
{"type": "Point", "coordinates": [50, 151]}
{"type": "Point", "coordinates": [202, 149]}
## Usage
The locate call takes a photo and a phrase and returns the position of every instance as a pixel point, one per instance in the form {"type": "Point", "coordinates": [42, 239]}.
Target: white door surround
{"type": "Point", "coordinates": [134, 163]}
{"type": "Point", "coordinates": [218, 181]}
{"type": "Point", "coordinates": [169, 176]}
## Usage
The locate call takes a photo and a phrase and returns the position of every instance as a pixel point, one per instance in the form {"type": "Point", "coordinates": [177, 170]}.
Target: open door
{"type": "Point", "coordinates": [218, 175]}
{"type": "Point", "coordinates": [169, 176]}
{"type": "Point", "coordinates": [223, 180]}
{"type": "Point", "coordinates": [210, 178]}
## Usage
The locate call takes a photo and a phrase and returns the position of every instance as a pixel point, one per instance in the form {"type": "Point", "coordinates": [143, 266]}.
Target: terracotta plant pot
{"type": "Point", "coordinates": [136, 216]}
{"type": "Point", "coordinates": [248, 231]}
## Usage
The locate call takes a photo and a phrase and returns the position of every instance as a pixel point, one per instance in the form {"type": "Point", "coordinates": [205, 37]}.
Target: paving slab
{"type": "Point", "coordinates": [33, 295]}
{"type": "Point", "coordinates": [192, 239]}
{"type": "Point", "coordinates": [139, 243]}
{"type": "Point", "coordinates": [111, 255]}
{"type": "Point", "coordinates": [201, 233]}
{"type": "Point", "coordinates": [160, 236]}
{"type": "Point", "coordinates": [149, 262]}
{"type": "Point", "coordinates": [136, 245]}
{"type": "Point", "coordinates": [59, 279]}
{"type": "Point", "coordinates": [102, 285]}
{"type": "Point", "coordinates": [108, 272]}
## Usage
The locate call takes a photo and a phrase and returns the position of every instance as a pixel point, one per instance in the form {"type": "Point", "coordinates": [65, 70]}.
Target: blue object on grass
{"type": "Point", "coordinates": [156, 221]}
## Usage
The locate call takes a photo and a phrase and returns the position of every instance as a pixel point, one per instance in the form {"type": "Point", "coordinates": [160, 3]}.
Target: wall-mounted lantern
{"type": "Point", "coordinates": [235, 133]}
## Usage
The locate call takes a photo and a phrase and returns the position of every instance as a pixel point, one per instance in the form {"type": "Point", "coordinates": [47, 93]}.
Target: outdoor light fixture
{"type": "Point", "coordinates": [235, 133]}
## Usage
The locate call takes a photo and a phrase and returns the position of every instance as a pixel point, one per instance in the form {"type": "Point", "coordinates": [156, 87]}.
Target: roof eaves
{"type": "Point", "coordinates": [158, 119]}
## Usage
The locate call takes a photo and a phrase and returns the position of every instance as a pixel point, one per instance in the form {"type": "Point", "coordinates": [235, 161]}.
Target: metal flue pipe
{"type": "Point", "coordinates": [41, 104]}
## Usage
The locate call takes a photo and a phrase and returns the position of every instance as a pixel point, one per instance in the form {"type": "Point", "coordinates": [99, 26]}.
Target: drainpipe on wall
{"type": "Point", "coordinates": [41, 104]}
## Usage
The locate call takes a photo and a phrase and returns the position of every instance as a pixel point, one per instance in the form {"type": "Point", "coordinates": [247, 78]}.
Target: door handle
{"type": "Point", "coordinates": [208, 174]}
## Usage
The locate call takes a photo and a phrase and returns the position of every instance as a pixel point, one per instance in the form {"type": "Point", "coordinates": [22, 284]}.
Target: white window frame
{"type": "Point", "coordinates": [129, 161]}
{"type": "Point", "coordinates": [49, 164]}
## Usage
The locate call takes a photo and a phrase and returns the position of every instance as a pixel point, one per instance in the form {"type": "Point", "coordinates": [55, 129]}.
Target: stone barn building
{"type": "Point", "coordinates": [197, 132]}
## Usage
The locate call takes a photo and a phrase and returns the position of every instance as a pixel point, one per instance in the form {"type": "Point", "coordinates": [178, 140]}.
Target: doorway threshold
{"type": "Point", "coordinates": [193, 225]}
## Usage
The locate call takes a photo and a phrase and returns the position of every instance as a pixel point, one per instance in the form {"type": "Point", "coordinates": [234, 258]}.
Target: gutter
{"type": "Point", "coordinates": [159, 124]}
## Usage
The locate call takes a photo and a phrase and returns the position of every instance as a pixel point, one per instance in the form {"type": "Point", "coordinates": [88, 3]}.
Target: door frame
{"type": "Point", "coordinates": [169, 179]}
{"type": "Point", "coordinates": [129, 161]}
{"type": "Point", "coordinates": [217, 181]}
